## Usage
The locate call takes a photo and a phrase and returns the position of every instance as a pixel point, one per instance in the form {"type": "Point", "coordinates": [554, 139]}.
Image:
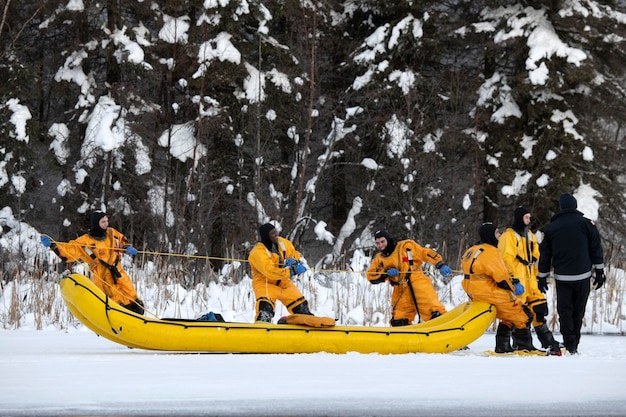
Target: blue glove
{"type": "Point", "coordinates": [130, 250]}
{"type": "Point", "coordinates": [46, 241]}
{"type": "Point", "coordinates": [445, 270]}
{"type": "Point", "coordinates": [519, 289]}
{"type": "Point", "coordinates": [297, 269]}
{"type": "Point", "coordinates": [393, 272]}
{"type": "Point", "coordinates": [290, 262]}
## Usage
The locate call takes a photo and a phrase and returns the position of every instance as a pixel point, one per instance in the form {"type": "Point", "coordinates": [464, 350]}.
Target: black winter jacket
{"type": "Point", "coordinates": [571, 244]}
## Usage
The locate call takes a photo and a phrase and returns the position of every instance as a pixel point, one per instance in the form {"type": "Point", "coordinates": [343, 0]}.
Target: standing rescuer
{"type": "Point", "coordinates": [413, 292]}
{"type": "Point", "coordinates": [101, 249]}
{"type": "Point", "coordinates": [520, 251]}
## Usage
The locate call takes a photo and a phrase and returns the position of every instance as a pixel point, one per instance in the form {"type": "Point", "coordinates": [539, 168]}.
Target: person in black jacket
{"type": "Point", "coordinates": [571, 245]}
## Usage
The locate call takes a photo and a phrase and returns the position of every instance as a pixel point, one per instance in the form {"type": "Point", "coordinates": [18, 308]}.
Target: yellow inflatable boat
{"type": "Point", "coordinates": [449, 332]}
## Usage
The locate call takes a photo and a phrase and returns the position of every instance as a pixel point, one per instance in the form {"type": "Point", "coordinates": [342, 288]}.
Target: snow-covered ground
{"type": "Point", "coordinates": [76, 373]}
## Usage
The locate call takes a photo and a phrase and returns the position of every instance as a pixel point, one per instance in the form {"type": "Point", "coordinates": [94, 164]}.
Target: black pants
{"type": "Point", "coordinates": [571, 300]}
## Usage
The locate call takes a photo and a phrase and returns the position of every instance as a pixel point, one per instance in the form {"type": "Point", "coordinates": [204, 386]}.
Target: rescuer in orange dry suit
{"type": "Point", "coordinates": [520, 251]}
{"type": "Point", "coordinates": [400, 264]}
{"type": "Point", "coordinates": [274, 261]}
{"type": "Point", "coordinates": [101, 249]}
{"type": "Point", "coordinates": [487, 278]}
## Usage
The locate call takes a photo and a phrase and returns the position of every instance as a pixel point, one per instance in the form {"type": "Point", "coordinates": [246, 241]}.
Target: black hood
{"type": "Point", "coordinates": [487, 233]}
{"type": "Point", "coordinates": [391, 243]}
{"type": "Point", "coordinates": [518, 219]}
{"type": "Point", "coordinates": [567, 201]}
{"type": "Point", "coordinates": [94, 225]}
{"type": "Point", "coordinates": [264, 234]}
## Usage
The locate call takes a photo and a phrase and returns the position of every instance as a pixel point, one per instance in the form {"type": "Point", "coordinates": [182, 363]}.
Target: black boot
{"type": "Point", "coordinates": [266, 312]}
{"type": "Point", "coordinates": [571, 343]}
{"type": "Point", "coordinates": [136, 306]}
{"type": "Point", "coordinates": [435, 314]}
{"type": "Point", "coordinates": [524, 339]}
{"type": "Point", "coordinates": [503, 339]}
{"type": "Point", "coordinates": [546, 338]}
{"type": "Point", "coordinates": [302, 309]}
{"type": "Point", "coordinates": [399, 322]}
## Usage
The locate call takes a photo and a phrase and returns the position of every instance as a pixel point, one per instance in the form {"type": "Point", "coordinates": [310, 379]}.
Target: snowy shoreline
{"type": "Point", "coordinates": [74, 373]}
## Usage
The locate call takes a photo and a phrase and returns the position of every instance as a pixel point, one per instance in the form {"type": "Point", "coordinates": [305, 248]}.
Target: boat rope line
{"type": "Point", "coordinates": [107, 307]}
{"type": "Point", "coordinates": [230, 259]}
{"type": "Point", "coordinates": [321, 271]}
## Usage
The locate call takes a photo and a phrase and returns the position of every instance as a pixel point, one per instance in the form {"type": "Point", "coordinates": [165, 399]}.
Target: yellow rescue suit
{"type": "Point", "coordinates": [408, 257]}
{"type": "Point", "coordinates": [271, 281]}
{"type": "Point", "coordinates": [486, 277]}
{"type": "Point", "coordinates": [104, 260]}
{"type": "Point", "coordinates": [520, 253]}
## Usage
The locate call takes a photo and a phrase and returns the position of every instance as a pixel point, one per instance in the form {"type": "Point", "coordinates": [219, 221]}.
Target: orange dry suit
{"type": "Point", "coordinates": [520, 253]}
{"type": "Point", "coordinates": [271, 280]}
{"type": "Point", "coordinates": [104, 260]}
{"type": "Point", "coordinates": [487, 279]}
{"type": "Point", "coordinates": [408, 257]}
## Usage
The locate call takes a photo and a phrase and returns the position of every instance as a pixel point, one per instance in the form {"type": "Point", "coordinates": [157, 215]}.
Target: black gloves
{"type": "Point", "coordinates": [599, 280]}
{"type": "Point", "coordinates": [542, 284]}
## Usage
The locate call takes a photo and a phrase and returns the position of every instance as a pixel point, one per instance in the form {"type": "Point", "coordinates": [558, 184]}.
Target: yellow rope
{"type": "Point", "coordinates": [217, 258]}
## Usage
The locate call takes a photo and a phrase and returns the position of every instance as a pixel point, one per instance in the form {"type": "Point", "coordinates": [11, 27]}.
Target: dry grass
{"type": "Point", "coordinates": [33, 294]}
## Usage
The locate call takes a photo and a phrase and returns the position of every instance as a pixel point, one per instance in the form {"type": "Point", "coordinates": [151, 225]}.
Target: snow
{"type": "Point", "coordinates": [105, 130]}
{"type": "Point", "coordinates": [60, 144]}
{"type": "Point", "coordinates": [19, 117]}
{"type": "Point", "coordinates": [72, 71]}
{"type": "Point", "coordinates": [543, 43]}
{"type": "Point", "coordinates": [254, 84]}
{"type": "Point", "coordinates": [399, 136]}
{"type": "Point", "coordinates": [71, 372]}
{"type": "Point", "coordinates": [131, 52]}
{"type": "Point", "coordinates": [174, 29]}
{"type": "Point", "coordinates": [75, 5]}
{"type": "Point", "coordinates": [587, 203]}
{"type": "Point", "coordinates": [323, 234]}
{"type": "Point", "coordinates": [542, 40]}
{"type": "Point", "coordinates": [4, 177]}
{"type": "Point", "coordinates": [54, 372]}
{"type": "Point", "coordinates": [224, 50]}
{"type": "Point", "coordinates": [370, 163]}
{"type": "Point", "coordinates": [518, 185]}
{"type": "Point", "coordinates": [496, 93]}
{"type": "Point", "coordinates": [58, 373]}
{"type": "Point", "coordinates": [182, 142]}
{"type": "Point", "coordinates": [569, 120]}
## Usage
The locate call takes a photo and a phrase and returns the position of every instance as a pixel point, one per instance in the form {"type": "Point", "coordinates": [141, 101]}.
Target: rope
{"type": "Point", "coordinates": [327, 271]}
{"type": "Point", "coordinates": [218, 258]}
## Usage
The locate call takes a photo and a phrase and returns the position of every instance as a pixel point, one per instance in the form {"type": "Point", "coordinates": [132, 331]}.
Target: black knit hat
{"type": "Point", "coordinates": [264, 234]}
{"type": "Point", "coordinates": [487, 233]}
{"type": "Point", "coordinates": [94, 224]}
{"type": "Point", "coordinates": [391, 243]}
{"type": "Point", "coordinates": [567, 201]}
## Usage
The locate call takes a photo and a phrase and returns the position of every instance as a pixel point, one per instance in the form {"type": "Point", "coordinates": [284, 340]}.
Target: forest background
{"type": "Point", "coordinates": [192, 122]}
